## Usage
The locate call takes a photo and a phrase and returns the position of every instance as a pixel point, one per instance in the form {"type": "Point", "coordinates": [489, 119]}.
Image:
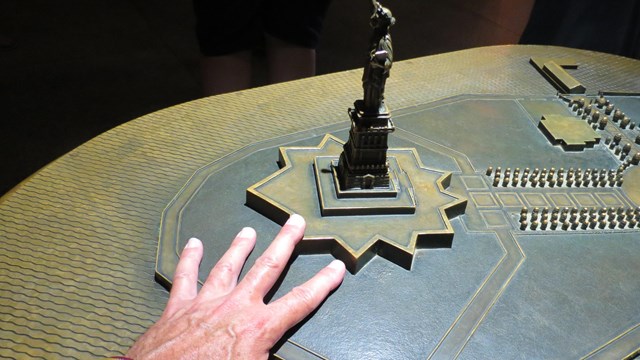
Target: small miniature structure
{"type": "Point", "coordinates": [570, 133]}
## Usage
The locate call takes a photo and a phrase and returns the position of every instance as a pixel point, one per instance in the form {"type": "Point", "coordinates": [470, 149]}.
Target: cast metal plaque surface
{"type": "Point", "coordinates": [80, 237]}
{"type": "Point", "coordinates": [506, 134]}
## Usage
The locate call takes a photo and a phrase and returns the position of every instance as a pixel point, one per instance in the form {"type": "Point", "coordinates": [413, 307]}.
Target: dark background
{"type": "Point", "coordinates": [71, 69]}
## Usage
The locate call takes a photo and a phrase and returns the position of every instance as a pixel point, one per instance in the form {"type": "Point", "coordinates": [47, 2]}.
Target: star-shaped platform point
{"type": "Point", "coordinates": [355, 239]}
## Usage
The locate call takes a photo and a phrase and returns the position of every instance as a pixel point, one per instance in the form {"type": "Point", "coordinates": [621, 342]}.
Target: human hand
{"type": "Point", "coordinates": [227, 320]}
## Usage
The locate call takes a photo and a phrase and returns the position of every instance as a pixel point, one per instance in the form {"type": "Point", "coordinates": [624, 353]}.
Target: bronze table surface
{"type": "Point", "coordinates": [79, 237]}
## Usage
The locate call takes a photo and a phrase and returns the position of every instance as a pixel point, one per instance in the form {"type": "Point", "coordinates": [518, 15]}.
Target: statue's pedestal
{"type": "Point", "coordinates": [363, 162]}
{"type": "Point", "coordinates": [398, 198]}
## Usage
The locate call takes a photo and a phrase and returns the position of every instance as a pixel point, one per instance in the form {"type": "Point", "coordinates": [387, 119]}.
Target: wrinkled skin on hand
{"type": "Point", "coordinates": [229, 320]}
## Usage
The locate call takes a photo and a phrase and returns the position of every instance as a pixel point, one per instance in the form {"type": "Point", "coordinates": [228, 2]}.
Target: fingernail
{"type": "Point", "coordinates": [336, 265]}
{"type": "Point", "coordinates": [193, 242]}
{"type": "Point", "coordinates": [295, 219]}
{"type": "Point", "coordinates": [245, 232]}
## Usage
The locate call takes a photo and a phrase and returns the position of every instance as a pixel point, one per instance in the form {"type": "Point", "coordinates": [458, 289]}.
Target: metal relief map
{"type": "Point", "coordinates": [474, 226]}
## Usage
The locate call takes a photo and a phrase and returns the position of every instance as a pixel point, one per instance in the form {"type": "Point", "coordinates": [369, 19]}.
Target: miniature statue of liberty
{"type": "Point", "coordinates": [380, 59]}
{"type": "Point", "coordinates": [363, 162]}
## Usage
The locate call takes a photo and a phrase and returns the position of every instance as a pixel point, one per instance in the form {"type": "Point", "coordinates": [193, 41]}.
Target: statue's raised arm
{"type": "Point", "coordinates": [380, 59]}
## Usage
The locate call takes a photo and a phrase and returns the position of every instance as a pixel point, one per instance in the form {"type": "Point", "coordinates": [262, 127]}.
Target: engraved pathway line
{"type": "Point", "coordinates": [463, 162]}
{"type": "Point", "coordinates": [620, 347]}
{"type": "Point", "coordinates": [468, 320]}
{"type": "Point", "coordinates": [456, 338]}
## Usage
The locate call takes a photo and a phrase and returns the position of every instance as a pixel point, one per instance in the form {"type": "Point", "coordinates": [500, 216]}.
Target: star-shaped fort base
{"type": "Point", "coordinates": [356, 229]}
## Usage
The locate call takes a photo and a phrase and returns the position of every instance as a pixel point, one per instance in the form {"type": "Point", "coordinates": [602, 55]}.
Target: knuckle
{"type": "Point", "coordinates": [304, 297]}
{"type": "Point", "coordinates": [184, 275]}
{"type": "Point", "coordinates": [260, 324]}
{"type": "Point", "coordinates": [218, 284]}
{"type": "Point", "coordinates": [224, 267]}
{"type": "Point", "coordinates": [268, 262]}
{"type": "Point", "coordinates": [263, 327]}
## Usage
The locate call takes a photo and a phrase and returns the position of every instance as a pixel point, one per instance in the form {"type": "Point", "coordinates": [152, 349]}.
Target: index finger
{"type": "Point", "coordinates": [304, 299]}
{"type": "Point", "coordinates": [268, 267]}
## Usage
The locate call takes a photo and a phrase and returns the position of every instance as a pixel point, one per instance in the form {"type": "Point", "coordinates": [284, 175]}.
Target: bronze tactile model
{"type": "Point", "coordinates": [79, 237]}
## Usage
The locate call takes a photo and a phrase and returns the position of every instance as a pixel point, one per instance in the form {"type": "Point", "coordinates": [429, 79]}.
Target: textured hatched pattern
{"type": "Point", "coordinates": [79, 237]}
